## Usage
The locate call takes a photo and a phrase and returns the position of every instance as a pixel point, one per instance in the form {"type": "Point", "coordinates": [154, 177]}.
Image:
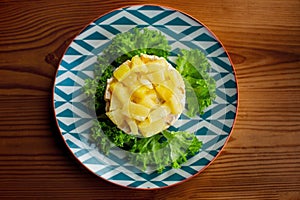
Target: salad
{"type": "Point", "coordinates": [145, 95]}
{"type": "Point", "coordinates": [138, 95]}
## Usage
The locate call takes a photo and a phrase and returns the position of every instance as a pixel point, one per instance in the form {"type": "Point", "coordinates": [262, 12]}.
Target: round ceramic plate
{"type": "Point", "coordinates": [74, 120]}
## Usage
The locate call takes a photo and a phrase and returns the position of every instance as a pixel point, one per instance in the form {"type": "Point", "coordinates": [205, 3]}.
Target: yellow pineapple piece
{"type": "Point", "coordinates": [163, 92]}
{"type": "Point", "coordinates": [112, 85]}
{"type": "Point", "coordinates": [152, 94]}
{"type": "Point", "coordinates": [138, 111]}
{"type": "Point", "coordinates": [175, 105]}
{"type": "Point", "coordinates": [175, 77]}
{"type": "Point", "coordinates": [178, 91]}
{"type": "Point", "coordinates": [130, 79]}
{"type": "Point", "coordinates": [121, 72]}
{"type": "Point", "coordinates": [157, 76]}
{"type": "Point", "coordinates": [157, 114]}
{"type": "Point", "coordinates": [116, 117]}
{"type": "Point", "coordinates": [145, 58]}
{"type": "Point", "coordinates": [120, 96]}
{"type": "Point", "coordinates": [153, 67]}
{"type": "Point", "coordinates": [149, 129]}
{"type": "Point", "coordinates": [133, 126]}
{"type": "Point", "coordinates": [143, 80]}
{"type": "Point", "coordinates": [157, 64]}
{"type": "Point", "coordinates": [140, 92]}
{"type": "Point", "coordinates": [136, 61]}
{"type": "Point", "coordinates": [147, 101]}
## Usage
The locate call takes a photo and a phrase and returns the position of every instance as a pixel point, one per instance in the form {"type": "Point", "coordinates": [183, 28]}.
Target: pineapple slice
{"type": "Point", "coordinates": [121, 72]}
{"type": "Point", "coordinates": [158, 113]}
{"type": "Point", "coordinates": [137, 65]}
{"type": "Point", "coordinates": [132, 126]}
{"type": "Point", "coordinates": [156, 65]}
{"type": "Point", "coordinates": [149, 129]}
{"type": "Point", "coordinates": [175, 77]}
{"type": "Point", "coordinates": [140, 92]}
{"type": "Point", "coordinates": [157, 76]}
{"type": "Point", "coordinates": [136, 61]}
{"type": "Point", "coordinates": [147, 101]}
{"type": "Point", "coordinates": [175, 105]}
{"type": "Point", "coordinates": [112, 85]}
{"type": "Point", "coordinates": [177, 91]}
{"type": "Point", "coordinates": [119, 97]}
{"type": "Point", "coordinates": [163, 92]}
{"type": "Point", "coordinates": [116, 117]}
{"type": "Point", "coordinates": [130, 80]}
{"type": "Point", "coordinates": [138, 111]}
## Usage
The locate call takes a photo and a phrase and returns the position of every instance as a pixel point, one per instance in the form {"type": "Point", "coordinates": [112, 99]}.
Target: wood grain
{"type": "Point", "coordinates": [262, 157]}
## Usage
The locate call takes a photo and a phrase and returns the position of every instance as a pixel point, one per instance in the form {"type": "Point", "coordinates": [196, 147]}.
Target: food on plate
{"type": "Point", "coordinates": [145, 95]}
{"type": "Point", "coordinates": [137, 94]}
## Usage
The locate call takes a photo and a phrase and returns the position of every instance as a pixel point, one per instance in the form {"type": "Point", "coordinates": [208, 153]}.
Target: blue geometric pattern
{"type": "Point", "coordinates": [74, 119]}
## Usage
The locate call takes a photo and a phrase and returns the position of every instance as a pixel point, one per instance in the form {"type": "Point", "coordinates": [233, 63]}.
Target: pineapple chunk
{"type": "Point", "coordinates": [178, 91]}
{"type": "Point", "coordinates": [175, 77]}
{"type": "Point", "coordinates": [152, 94]}
{"type": "Point", "coordinates": [144, 81]}
{"type": "Point", "coordinates": [130, 79]}
{"type": "Point", "coordinates": [133, 126]}
{"type": "Point", "coordinates": [119, 97]}
{"type": "Point", "coordinates": [116, 117]}
{"type": "Point", "coordinates": [153, 67]}
{"type": "Point", "coordinates": [140, 92]}
{"type": "Point", "coordinates": [175, 105]}
{"type": "Point", "coordinates": [156, 65]}
{"type": "Point", "coordinates": [157, 114]}
{"type": "Point", "coordinates": [157, 76]}
{"type": "Point", "coordinates": [145, 58]}
{"type": "Point", "coordinates": [145, 96]}
{"type": "Point", "coordinates": [149, 129]}
{"type": "Point", "coordinates": [112, 85]}
{"type": "Point", "coordinates": [163, 92]}
{"type": "Point", "coordinates": [136, 62]}
{"type": "Point", "coordinates": [138, 111]}
{"type": "Point", "coordinates": [147, 101]}
{"type": "Point", "coordinates": [121, 72]}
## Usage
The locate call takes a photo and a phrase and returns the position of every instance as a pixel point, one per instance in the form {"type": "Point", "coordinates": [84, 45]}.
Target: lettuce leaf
{"type": "Point", "coordinates": [200, 86]}
{"type": "Point", "coordinates": [126, 45]}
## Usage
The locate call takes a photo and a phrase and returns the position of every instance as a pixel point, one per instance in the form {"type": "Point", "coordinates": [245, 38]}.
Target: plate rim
{"type": "Point", "coordinates": [235, 78]}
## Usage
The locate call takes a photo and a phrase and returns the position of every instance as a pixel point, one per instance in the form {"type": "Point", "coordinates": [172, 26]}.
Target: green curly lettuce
{"type": "Point", "coordinates": [200, 86]}
{"type": "Point", "coordinates": [166, 149]}
{"type": "Point", "coordinates": [126, 45]}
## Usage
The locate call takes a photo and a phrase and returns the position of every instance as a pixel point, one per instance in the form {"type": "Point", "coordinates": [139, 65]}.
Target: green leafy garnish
{"type": "Point", "coordinates": [167, 148]}
{"type": "Point", "coordinates": [200, 87]}
{"type": "Point", "coordinates": [161, 150]}
{"type": "Point", "coordinates": [126, 45]}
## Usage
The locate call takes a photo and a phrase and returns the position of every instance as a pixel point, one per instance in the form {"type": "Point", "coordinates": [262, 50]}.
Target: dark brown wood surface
{"type": "Point", "coordinates": [261, 159]}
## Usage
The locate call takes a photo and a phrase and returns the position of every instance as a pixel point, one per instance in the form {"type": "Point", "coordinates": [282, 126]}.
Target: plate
{"type": "Point", "coordinates": [74, 119]}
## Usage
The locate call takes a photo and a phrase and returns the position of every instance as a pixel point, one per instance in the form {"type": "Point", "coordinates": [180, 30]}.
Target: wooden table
{"type": "Point", "coordinates": [262, 157]}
